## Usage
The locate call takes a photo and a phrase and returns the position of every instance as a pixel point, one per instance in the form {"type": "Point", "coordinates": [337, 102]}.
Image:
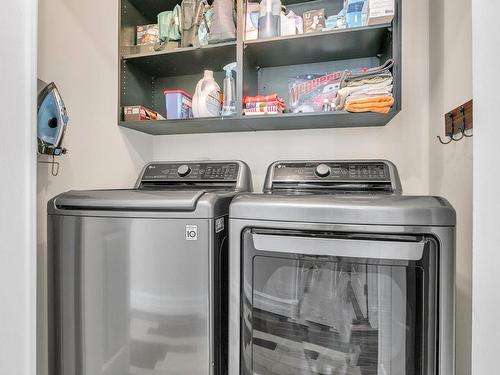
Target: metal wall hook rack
{"type": "Point", "coordinates": [458, 122]}
{"type": "Point", "coordinates": [464, 130]}
{"type": "Point", "coordinates": [449, 135]}
{"type": "Point", "coordinates": [55, 165]}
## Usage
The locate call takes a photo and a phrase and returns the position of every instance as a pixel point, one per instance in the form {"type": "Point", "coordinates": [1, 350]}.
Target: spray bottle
{"type": "Point", "coordinates": [229, 104]}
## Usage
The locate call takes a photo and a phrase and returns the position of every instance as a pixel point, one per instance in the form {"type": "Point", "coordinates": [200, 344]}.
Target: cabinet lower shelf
{"type": "Point", "coordinates": [288, 121]}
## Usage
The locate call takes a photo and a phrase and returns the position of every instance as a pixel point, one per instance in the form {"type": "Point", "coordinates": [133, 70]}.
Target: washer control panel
{"type": "Point", "coordinates": [199, 171]}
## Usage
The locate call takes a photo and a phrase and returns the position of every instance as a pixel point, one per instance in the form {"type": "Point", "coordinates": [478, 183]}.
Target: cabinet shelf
{"type": "Point", "coordinates": [331, 45]}
{"type": "Point", "coordinates": [183, 61]}
{"type": "Point", "coordinates": [286, 121]}
{"type": "Point", "coordinates": [265, 66]}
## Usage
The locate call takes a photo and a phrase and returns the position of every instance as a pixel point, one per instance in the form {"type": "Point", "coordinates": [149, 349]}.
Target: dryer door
{"type": "Point", "coordinates": [333, 303]}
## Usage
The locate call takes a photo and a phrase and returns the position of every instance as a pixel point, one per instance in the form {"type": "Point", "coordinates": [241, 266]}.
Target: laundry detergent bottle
{"type": "Point", "coordinates": [207, 97]}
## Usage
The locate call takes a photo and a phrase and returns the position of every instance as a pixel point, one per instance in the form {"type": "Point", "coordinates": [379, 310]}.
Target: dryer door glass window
{"type": "Point", "coordinates": [309, 311]}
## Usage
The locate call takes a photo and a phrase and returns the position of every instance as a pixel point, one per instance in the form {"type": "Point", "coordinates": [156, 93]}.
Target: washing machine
{"type": "Point", "coordinates": [139, 278]}
{"type": "Point", "coordinates": [334, 271]}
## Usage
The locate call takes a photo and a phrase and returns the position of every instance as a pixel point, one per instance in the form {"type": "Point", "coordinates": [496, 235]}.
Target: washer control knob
{"type": "Point", "coordinates": [323, 170]}
{"type": "Point", "coordinates": [183, 170]}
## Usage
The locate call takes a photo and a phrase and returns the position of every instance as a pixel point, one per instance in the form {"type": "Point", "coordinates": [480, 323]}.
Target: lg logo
{"type": "Point", "coordinates": [191, 232]}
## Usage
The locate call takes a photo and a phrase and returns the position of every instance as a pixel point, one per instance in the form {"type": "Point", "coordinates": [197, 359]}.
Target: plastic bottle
{"type": "Point", "coordinates": [269, 18]}
{"type": "Point", "coordinates": [229, 104]}
{"type": "Point", "coordinates": [326, 106]}
{"type": "Point", "coordinates": [206, 98]}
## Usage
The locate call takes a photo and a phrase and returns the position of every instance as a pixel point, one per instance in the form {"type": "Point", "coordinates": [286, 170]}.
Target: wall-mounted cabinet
{"type": "Point", "coordinates": [265, 66]}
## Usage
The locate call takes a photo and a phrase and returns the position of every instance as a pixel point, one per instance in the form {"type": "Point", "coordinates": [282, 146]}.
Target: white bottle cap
{"type": "Point", "coordinates": [209, 74]}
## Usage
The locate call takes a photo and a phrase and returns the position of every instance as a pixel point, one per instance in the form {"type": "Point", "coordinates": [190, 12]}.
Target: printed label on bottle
{"type": "Point", "coordinates": [214, 103]}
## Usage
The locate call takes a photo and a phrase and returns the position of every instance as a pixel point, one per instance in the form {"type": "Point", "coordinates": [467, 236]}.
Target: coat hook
{"type": "Point", "coordinates": [462, 112]}
{"type": "Point", "coordinates": [462, 126]}
{"type": "Point", "coordinates": [450, 115]}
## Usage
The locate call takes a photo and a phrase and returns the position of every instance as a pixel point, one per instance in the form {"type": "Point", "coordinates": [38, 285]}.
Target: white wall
{"type": "Point", "coordinates": [17, 198]}
{"type": "Point", "coordinates": [404, 140]}
{"type": "Point", "coordinates": [450, 168]}
{"type": "Point", "coordinates": [78, 51]}
{"type": "Point", "coordinates": [486, 284]}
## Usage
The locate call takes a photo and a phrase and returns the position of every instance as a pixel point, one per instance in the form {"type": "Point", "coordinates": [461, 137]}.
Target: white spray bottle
{"type": "Point", "coordinates": [229, 104]}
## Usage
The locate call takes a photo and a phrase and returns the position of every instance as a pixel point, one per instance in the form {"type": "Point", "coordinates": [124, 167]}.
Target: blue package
{"type": "Point", "coordinates": [354, 13]}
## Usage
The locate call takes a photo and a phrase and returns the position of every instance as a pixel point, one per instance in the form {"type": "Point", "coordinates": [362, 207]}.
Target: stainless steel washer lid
{"type": "Point", "coordinates": [345, 209]}
{"type": "Point", "coordinates": [138, 200]}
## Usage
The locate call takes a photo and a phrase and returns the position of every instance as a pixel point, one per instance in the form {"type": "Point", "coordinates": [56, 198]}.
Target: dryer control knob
{"type": "Point", "coordinates": [323, 170]}
{"type": "Point", "coordinates": [183, 170]}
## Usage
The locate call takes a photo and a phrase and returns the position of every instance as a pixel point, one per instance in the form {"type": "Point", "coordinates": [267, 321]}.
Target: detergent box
{"type": "Point", "coordinates": [179, 104]}
{"type": "Point", "coordinates": [380, 11]}
{"type": "Point", "coordinates": [140, 113]}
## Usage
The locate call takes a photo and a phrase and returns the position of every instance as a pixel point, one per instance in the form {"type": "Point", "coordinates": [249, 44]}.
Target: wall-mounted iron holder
{"type": "Point", "coordinates": [458, 122]}
{"type": "Point", "coordinates": [55, 164]}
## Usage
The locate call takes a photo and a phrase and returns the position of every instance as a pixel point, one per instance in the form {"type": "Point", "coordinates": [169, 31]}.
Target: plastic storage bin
{"type": "Point", "coordinates": [178, 104]}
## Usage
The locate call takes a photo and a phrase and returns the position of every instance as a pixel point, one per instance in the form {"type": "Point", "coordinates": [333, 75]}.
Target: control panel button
{"type": "Point", "coordinates": [323, 170]}
{"type": "Point", "coordinates": [183, 170]}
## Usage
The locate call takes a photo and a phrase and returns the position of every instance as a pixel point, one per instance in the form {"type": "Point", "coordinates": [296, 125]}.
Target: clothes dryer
{"type": "Point", "coordinates": [334, 271]}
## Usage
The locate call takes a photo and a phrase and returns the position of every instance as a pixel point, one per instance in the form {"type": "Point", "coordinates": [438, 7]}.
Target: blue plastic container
{"type": "Point", "coordinates": [178, 104]}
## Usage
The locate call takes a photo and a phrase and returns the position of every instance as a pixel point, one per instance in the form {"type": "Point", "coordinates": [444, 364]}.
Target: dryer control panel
{"type": "Point", "coordinates": [333, 176]}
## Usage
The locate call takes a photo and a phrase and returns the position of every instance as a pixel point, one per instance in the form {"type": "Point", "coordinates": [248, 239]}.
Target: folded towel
{"type": "Point", "coordinates": [368, 94]}
{"type": "Point", "coordinates": [379, 104]}
{"type": "Point", "coordinates": [370, 80]}
{"type": "Point", "coordinates": [385, 86]}
{"type": "Point", "coordinates": [270, 104]}
{"type": "Point", "coordinates": [350, 75]}
{"type": "Point", "coordinates": [262, 98]}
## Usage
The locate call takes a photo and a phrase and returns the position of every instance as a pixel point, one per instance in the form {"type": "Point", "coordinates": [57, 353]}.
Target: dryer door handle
{"type": "Point", "coordinates": [349, 248]}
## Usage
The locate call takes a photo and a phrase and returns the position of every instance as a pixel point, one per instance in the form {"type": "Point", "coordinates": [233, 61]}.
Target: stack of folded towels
{"type": "Point", "coordinates": [366, 91]}
{"type": "Point", "coordinates": [260, 105]}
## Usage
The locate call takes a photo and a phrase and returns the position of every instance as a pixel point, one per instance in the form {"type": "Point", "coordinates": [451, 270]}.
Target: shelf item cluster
{"type": "Point", "coordinates": [264, 66]}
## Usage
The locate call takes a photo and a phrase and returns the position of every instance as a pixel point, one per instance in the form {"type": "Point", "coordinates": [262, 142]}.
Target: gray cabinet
{"type": "Point", "coordinates": [264, 66]}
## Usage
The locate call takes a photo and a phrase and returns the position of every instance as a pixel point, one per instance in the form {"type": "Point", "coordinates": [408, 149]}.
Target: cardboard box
{"type": "Point", "coordinates": [140, 113]}
{"type": "Point", "coordinates": [314, 20]}
{"type": "Point", "coordinates": [287, 25]}
{"type": "Point", "coordinates": [380, 11]}
{"type": "Point", "coordinates": [148, 34]}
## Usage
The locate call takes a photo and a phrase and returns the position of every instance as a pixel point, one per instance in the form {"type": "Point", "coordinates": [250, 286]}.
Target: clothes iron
{"type": "Point", "coordinates": [52, 120]}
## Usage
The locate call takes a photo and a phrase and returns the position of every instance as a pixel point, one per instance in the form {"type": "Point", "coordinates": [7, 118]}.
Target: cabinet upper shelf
{"type": "Point", "coordinates": [290, 50]}
{"type": "Point", "coordinates": [318, 47]}
{"type": "Point", "coordinates": [183, 61]}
